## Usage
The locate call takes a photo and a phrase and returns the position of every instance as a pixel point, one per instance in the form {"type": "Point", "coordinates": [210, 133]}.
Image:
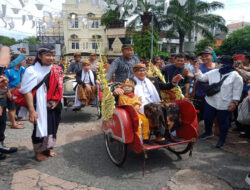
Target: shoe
{"type": "Point", "coordinates": [2, 156]}
{"type": "Point", "coordinates": [248, 179]}
{"type": "Point", "coordinates": [243, 135]}
{"type": "Point", "coordinates": [206, 136]}
{"type": "Point", "coordinates": [219, 144]}
{"type": "Point", "coordinates": [7, 150]}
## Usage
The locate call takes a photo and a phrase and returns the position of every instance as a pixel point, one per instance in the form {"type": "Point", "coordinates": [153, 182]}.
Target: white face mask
{"type": "Point", "coordinates": [127, 89]}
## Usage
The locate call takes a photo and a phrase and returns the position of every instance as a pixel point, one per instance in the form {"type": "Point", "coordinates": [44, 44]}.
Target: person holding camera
{"type": "Point", "coordinates": [222, 96]}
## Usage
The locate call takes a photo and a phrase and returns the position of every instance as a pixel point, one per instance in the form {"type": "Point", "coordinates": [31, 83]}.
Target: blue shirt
{"type": "Point", "coordinates": [14, 76]}
{"type": "Point", "coordinates": [201, 86]}
{"type": "Point", "coordinates": [170, 71]}
{"type": "Point", "coordinates": [16, 61]}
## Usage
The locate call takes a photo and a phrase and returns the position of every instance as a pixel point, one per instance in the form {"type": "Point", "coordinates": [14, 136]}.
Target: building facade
{"type": "Point", "coordinates": [82, 28]}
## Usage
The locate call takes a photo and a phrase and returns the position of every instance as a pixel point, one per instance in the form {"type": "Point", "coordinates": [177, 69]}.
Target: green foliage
{"type": "Point", "coordinates": [7, 41]}
{"type": "Point", "coordinates": [11, 41]}
{"type": "Point", "coordinates": [163, 54]}
{"type": "Point", "coordinates": [218, 51]}
{"type": "Point", "coordinates": [110, 17]}
{"type": "Point", "coordinates": [30, 40]}
{"type": "Point", "coordinates": [142, 13]}
{"type": "Point", "coordinates": [237, 41]}
{"type": "Point", "coordinates": [196, 16]}
{"type": "Point", "coordinates": [142, 43]}
{"type": "Point", "coordinates": [202, 44]}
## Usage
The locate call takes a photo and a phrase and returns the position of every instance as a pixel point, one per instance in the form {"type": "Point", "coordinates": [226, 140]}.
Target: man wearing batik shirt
{"type": "Point", "coordinates": [122, 67]}
{"type": "Point", "coordinates": [163, 118]}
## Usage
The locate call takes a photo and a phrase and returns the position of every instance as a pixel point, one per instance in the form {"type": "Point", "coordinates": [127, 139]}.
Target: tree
{"type": "Point", "coordinates": [7, 41]}
{"type": "Point", "coordinates": [194, 16]}
{"type": "Point", "coordinates": [239, 40]}
{"type": "Point", "coordinates": [202, 44]}
{"type": "Point", "coordinates": [30, 40]}
{"type": "Point", "coordinates": [139, 27]}
{"type": "Point", "coordinates": [142, 14]}
{"type": "Point", "coordinates": [110, 17]}
{"type": "Point", "coordinates": [142, 43]}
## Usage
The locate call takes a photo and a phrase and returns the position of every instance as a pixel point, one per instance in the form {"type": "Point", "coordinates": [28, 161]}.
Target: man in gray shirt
{"type": "Point", "coordinates": [77, 65]}
{"type": "Point", "coordinates": [122, 67]}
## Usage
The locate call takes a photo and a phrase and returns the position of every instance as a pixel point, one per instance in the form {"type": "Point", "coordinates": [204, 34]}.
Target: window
{"type": "Point", "coordinates": [91, 15]}
{"type": "Point", "coordinates": [87, 45]}
{"type": "Point", "coordinates": [75, 45]}
{"type": "Point", "coordinates": [74, 24]}
{"type": "Point", "coordinates": [94, 45]}
{"type": "Point", "coordinates": [83, 45]}
{"type": "Point", "coordinates": [73, 36]}
{"type": "Point", "coordinates": [95, 24]}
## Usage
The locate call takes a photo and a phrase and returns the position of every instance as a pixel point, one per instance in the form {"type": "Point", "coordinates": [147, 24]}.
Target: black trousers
{"type": "Point", "coordinates": [54, 118]}
{"type": "Point", "coordinates": [3, 118]}
{"type": "Point", "coordinates": [199, 102]}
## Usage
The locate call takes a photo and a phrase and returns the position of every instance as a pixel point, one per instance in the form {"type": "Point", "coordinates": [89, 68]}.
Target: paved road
{"type": "Point", "coordinates": [85, 161]}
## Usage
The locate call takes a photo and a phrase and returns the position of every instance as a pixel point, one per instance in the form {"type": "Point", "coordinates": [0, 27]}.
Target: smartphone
{"type": "Point", "coordinates": [2, 69]}
{"type": "Point", "coordinates": [238, 63]}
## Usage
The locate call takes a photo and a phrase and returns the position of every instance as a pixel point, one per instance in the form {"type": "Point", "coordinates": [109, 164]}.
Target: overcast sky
{"type": "Point", "coordinates": [234, 11]}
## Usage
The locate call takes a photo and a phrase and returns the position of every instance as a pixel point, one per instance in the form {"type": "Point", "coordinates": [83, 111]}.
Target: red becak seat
{"type": "Point", "coordinates": [189, 128]}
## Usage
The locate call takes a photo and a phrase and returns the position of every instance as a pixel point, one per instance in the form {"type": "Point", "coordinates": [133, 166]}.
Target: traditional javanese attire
{"type": "Point", "coordinates": [82, 95]}
{"type": "Point", "coordinates": [148, 94]}
{"type": "Point", "coordinates": [147, 91]}
{"type": "Point", "coordinates": [133, 100]}
{"type": "Point", "coordinates": [45, 130]}
{"type": "Point", "coordinates": [161, 116]}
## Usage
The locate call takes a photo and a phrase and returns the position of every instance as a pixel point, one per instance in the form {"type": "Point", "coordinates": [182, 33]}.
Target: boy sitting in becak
{"type": "Point", "coordinates": [86, 86]}
{"type": "Point", "coordinates": [129, 98]}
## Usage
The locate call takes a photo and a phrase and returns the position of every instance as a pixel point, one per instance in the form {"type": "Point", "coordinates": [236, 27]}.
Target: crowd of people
{"type": "Point", "coordinates": [217, 86]}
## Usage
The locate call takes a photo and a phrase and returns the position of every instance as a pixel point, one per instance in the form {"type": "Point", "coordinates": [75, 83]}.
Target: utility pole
{"type": "Point", "coordinates": [152, 37]}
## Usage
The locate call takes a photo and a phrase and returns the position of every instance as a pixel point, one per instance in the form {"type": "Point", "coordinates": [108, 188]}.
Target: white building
{"type": "Point", "coordinates": [82, 26]}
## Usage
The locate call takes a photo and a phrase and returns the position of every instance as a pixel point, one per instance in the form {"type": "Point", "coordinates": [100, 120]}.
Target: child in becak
{"type": "Point", "coordinates": [129, 98]}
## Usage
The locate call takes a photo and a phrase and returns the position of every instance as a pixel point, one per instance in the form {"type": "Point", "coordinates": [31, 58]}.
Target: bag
{"type": "Point", "coordinates": [243, 112]}
{"type": "Point", "coordinates": [215, 87]}
{"type": "Point", "coordinates": [19, 98]}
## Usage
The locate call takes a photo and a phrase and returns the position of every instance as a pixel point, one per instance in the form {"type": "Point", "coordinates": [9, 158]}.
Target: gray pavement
{"type": "Point", "coordinates": [86, 162]}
